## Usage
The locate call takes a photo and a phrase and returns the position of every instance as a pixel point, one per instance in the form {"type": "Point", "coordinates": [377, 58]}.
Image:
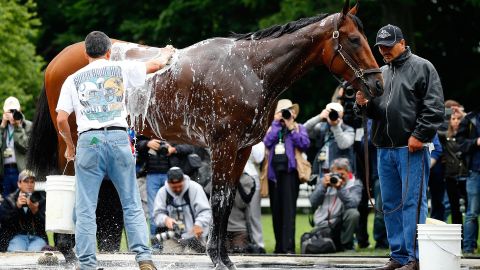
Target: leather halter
{"type": "Point", "coordinates": [348, 59]}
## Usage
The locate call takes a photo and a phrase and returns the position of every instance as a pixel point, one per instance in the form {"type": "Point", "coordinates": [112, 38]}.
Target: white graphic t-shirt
{"type": "Point", "coordinates": [97, 93]}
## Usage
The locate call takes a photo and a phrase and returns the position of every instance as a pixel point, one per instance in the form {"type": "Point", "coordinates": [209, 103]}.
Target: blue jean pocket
{"type": "Point", "coordinates": [87, 157]}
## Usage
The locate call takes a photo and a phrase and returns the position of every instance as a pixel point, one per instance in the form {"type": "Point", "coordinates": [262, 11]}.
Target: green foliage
{"type": "Point", "coordinates": [20, 68]}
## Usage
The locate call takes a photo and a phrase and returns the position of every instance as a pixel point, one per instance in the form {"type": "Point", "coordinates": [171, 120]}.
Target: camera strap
{"type": "Point", "coordinates": [186, 198]}
{"type": "Point", "coordinates": [10, 134]}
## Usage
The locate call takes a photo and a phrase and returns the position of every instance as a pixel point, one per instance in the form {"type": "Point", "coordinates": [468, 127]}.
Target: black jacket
{"type": "Point", "coordinates": [16, 221]}
{"type": "Point", "coordinates": [412, 103]}
{"type": "Point", "coordinates": [467, 136]}
{"type": "Point", "coordinates": [160, 163]}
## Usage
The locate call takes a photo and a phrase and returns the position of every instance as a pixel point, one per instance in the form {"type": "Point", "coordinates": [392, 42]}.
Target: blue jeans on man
{"type": "Point", "coordinates": [101, 153]}
{"type": "Point", "coordinates": [471, 224]}
{"type": "Point", "coordinates": [24, 242]}
{"type": "Point", "coordinates": [154, 182]}
{"type": "Point", "coordinates": [395, 166]}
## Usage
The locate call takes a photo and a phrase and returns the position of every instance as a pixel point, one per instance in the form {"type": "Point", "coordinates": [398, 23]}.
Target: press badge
{"type": "Point", "coordinates": [8, 152]}
{"type": "Point", "coordinates": [280, 149]}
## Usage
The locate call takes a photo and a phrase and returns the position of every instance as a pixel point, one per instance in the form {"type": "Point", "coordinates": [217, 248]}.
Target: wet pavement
{"type": "Point", "coordinates": [124, 261]}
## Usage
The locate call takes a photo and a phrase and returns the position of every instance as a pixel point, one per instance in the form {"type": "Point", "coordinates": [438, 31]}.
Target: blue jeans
{"type": "Point", "coordinates": [394, 164]}
{"type": "Point", "coordinates": [154, 182]}
{"type": "Point", "coordinates": [471, 224]}
{"type": "Point", "coordinates": [101, 153]}
{"type": "Point", "coordinates": [23, 242]}
{"type": "Point", "coordinates": [10, 179]}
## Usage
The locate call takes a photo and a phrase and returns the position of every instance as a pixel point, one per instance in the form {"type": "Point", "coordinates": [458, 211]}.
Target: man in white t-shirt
{"type": "Point", "coordinates": [96, 93]}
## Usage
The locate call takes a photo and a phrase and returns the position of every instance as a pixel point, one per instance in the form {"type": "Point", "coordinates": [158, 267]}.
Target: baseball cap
{"type": "Point", "coordinates": [11, 103]}
{"type": "Point", "coordinates": [25, 174]}
{"type": "Point", "coordinates": [174, 174]}
{"type": "Point", "coordinates": [389, 35]}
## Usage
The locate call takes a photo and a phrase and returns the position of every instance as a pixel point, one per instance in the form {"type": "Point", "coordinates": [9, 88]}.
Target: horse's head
{"type": "Point", "coordinates": [348, 54]}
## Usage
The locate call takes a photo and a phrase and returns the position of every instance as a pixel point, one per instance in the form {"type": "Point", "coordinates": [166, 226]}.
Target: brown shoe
{"type": "Point", "coordinates": [390, 265]}
{"type": "Point", "coordinates": [411, 265]}
{"type": "Point", "coordinates": [146, 265]}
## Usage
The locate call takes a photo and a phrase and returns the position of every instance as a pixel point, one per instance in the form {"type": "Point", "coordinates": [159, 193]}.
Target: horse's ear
{"type": "Point", "coordinates": [354, 10]}
{"type": "Point", "coordinates": [346, 8]}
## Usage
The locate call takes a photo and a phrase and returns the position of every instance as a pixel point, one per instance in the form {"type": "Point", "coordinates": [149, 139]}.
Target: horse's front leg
{"type": "Point", "coordinates": [227, 167]}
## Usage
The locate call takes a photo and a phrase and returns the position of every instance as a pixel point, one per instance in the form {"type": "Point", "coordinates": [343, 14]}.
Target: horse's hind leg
{"type": "Point", "coordinates": [227, 169]}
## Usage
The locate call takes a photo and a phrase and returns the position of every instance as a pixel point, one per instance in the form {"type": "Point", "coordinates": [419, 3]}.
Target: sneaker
{"type": "Point", "coordinates": [146, 265]}
{"type": "Point", "coordinates": [390, 265]}
{"type": "Point", "coordinates": [411, 265]}
{"type": "Point", "coordinates": [48, 258]}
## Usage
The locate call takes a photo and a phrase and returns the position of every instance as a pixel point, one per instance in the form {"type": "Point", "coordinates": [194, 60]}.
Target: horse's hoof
{"type": "Point", "coordinates": [220, 266]}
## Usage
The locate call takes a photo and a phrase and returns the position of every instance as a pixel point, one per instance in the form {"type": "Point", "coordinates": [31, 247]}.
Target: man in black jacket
{"type": "Point", "coordinates": [405, 119]}
{"type": "Point", "coordinates": [23, 216]}
{"type": "Point", "coordinates": [468, 137]}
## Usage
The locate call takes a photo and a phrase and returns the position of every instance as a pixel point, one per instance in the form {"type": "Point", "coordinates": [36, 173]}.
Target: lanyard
{"type": "Point", "coordinates": [9, 135]}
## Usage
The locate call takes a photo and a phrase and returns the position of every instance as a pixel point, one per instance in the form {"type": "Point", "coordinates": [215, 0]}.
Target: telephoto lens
{"type": "Point", "coordinates": [334, 178]}
{"type": "Point", "coordinates": [286, 114]}
{"type": "Point", "coordinates": [333, 115]}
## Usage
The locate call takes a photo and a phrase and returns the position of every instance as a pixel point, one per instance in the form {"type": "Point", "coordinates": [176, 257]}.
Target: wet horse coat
{"type": "Point", "coordinates": [220, 93]}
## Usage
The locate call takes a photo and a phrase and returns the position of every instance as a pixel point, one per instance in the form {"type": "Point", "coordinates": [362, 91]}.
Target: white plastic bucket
{"type": "Point", "coordinates": [60, 203]}
{"type": "Point", "coordinates": [440, 246]}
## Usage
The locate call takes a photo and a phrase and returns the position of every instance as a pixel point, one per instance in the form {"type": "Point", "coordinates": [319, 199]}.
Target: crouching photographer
{"type": "Point", "coordinates": [182, 213]}
{"type": "Point", "coordinates": [335, 198]}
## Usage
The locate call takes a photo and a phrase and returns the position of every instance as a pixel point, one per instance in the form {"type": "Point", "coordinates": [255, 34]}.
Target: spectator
{"type": "Point", "coordinates": [468, 138]}
{"type": "Point", "coordinates": [183, 209]}
{"type": "Point", "coordinates": [436, 182]}
{"type": "Point", "coordinates": [405, 120]}
{"type": "Point", "coordinates": [14, 132]}
{"type": "Point", "coordinates": [336, 198]}
{"type": "Point", "coordinates": [159, 157]}
{"type": "Point", "coordinates": [283, 136]}
{"type": "Point", "coordinates": [24, 216]}
{"type": "Point", "coordinates": [244, 224]}
{"type": "Point", "coordinates": [334, 138]}
{"type": "Point", "coordinates": [455, 169]}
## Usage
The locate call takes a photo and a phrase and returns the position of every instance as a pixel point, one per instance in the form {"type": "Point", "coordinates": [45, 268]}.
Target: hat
{"type": "Point", "coordinates": [25, 174]}
{"type": "Point", "coordinates": [335, 106]}
{"type": "Point", "coordinates": [174, 173]}
{"type": "Point", "coordinates": [389, 35]}
{"type": "Point", "coordinates": [287, 104]}
{"type": "Point", "coordinates": [11, 103]}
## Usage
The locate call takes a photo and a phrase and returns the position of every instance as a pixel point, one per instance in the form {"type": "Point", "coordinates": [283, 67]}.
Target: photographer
{"type": "Point", "coordinates": [24, 216]}
{"type": "Point", "coordinates": [333, 137]}
{"type": "Point", "coordinates": [182, 208]}
{"type": "Point", "coordinates": [336, 199]}
{"type": "Point", "coordinates": [14, 132]}
{"type": "Point", "coordinates": [159, 157]}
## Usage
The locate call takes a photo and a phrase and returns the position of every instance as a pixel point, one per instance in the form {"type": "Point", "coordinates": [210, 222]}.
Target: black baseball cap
{"type": "Point", "coordinates": [175, 174]}
{"type": "Point", "coordinates": [389, 35]}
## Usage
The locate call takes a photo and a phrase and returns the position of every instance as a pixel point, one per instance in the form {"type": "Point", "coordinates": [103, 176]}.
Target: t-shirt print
{"type": "Point", "coordinates": [101, 92]}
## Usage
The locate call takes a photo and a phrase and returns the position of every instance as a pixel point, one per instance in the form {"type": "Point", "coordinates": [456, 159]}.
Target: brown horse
{"type": "Point", "coordinates": [219, 93]}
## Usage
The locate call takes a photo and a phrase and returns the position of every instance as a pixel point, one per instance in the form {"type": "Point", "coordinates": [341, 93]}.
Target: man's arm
{"type": "Point", "coordinates": [351, 196]}
{"type": "Point", "coordinates": [65, 132]}
{"type": "Point", "coordinates": [160, 62]}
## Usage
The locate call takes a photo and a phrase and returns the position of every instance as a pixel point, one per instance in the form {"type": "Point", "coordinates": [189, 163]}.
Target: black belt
{"type": "Point", "coordinates": [105, 129]}
{"type": "Point", "coordinates": [10, 165]}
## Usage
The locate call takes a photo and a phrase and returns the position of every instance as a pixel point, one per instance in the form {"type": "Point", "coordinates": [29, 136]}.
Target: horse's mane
{"type": "Point", "coordinates": [279, 30]}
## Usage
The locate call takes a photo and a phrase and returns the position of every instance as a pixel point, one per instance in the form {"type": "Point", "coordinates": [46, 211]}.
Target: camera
{"type": "Point", "coordinates": [286, 114]}
{"type": "Point", "coordinates": [17, 115]}
{"type": "Point", "coordinates": [163, 150]}
{"type": "Point", "coordinates": [347, 99]}
{"type": "Point", "coordinates": [333, 115]}
{"type": "Point", "coordinates": [334, 178]}
{"type": "Point", "coordinates": [176, 233]}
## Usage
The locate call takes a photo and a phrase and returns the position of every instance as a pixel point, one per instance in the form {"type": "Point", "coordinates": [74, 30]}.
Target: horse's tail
{"type": "Point", "coordinates": [42, 156]}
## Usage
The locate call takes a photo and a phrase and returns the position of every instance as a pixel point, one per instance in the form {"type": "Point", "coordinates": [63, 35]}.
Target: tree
{"type": "Point", "coordinates": [20, 68]}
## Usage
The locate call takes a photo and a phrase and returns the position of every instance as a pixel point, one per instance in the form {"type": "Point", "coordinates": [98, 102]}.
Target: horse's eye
{"type": "Point", "coordinates": [354, 40]}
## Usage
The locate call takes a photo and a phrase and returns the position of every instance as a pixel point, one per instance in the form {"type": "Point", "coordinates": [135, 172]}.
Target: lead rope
{"type": "Point", "coordinates": [68, 161]}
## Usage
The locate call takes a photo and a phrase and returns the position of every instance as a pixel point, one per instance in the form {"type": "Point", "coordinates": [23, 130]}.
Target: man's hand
{"type": "Point", "coordinates": [324, 114]}
{"type": "Point", "coordinates": [70, 153]}
{"type": "Point", "coordinates": [326, 180]}
{"type": "Point", "coordinates": [339, 183]}
{"type": "Point", "coordinates": [478, 141]}
{"type": "Point", "coordinates": [197, 231]}
{"type": "Point", "coordinates": [33, 206]}
{"type": "Point", "coordinates": [154, 144]}
{"type": "Point", "coordinates": [21, 200]}
{"type": "Point", "coordinates": [333, 123]}
{"type": "Point", "coordinates": [171, 150]}
{"type": "Point", "coordinates": [360, 98]}
{"type": "Point", "coordinates": [290, 123]}
{"type": "Point", "coordinates": [169, 223]}
{"type": "Point", "coordinates": [7, 118]}
{"type": "Point", "coordinates": [414, 144]}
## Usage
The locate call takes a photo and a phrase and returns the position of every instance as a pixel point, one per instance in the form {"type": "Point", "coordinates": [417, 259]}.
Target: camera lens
{"type": "Point", "coordinates": [286, 114]}
{"type": "Point", "coordinates": [333, 115]}
{"type": "Point", "coordinates": [349, 92]}
{"type": "Point", "coordinates": [17, 115]}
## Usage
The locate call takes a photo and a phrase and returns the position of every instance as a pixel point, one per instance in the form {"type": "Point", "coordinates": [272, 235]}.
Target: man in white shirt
{"type": "Point", "coordinates": [96, 93]}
